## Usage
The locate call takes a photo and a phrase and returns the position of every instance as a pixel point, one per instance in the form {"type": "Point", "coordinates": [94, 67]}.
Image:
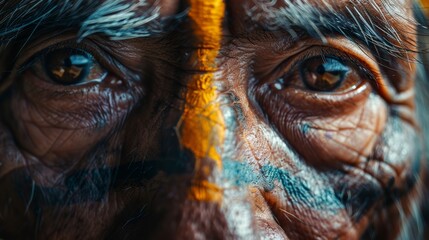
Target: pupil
{"type": "Point", "coordinates": [320, 69]}
{"type": "Point", "coordinates": [68, 66]}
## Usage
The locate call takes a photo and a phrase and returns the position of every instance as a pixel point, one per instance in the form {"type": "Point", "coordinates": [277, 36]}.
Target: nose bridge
{"type": "Point", "coordinates": [202, 126]}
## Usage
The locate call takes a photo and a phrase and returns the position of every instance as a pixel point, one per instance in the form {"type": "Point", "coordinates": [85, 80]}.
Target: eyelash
{"type": "Point", "coordinates": [95, 52]}
{"type": "Point", "coordinates": [105, 59]}
{"type": "Point", "coordinates": [325, 52]}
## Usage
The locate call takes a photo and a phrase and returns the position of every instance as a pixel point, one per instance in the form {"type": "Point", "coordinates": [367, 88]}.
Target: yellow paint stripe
{"type": "Point", "coordinates": [424, 3]}
{"type": "Point", "coordinates": [205, 191]}
{"type": "Point", "coordinates": [203, 127]}
{"type": "Point", "coordinates": [425, 6]}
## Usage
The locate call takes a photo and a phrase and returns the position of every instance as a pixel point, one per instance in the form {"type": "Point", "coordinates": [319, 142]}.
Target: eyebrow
{"type": "Point", "coordinates": [355, 22]}
{"type": "Point", "coordinates": [117, 19]}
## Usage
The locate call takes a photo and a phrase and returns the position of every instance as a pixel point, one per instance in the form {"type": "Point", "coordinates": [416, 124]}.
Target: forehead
{"type": "Point", "coordinates": [237, 10]}
{"type": "Point", "coordinates": [123, 19]}
{"type": "Point", "coordinates": [242, 14]}
{"type": "Point", "coordinates": [268, 12]}
{"type": "Point", "coordinates": [240, 7]}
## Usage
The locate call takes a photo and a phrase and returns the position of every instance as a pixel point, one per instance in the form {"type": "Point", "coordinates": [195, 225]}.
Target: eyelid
{"type": "Point", "coordinates": [329, 52]}
{"type": "Point", "coordinates": [34, 52]}
{"type": "Point", "coordinates": [341, 48]}
{"type": "Point", "coordinates": [92, 50]}
{"type": "Point", "coordinates": [367, 60]}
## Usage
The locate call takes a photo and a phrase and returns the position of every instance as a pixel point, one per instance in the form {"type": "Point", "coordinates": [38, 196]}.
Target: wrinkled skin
{"type": "Point", "coordinates": [109, 160]}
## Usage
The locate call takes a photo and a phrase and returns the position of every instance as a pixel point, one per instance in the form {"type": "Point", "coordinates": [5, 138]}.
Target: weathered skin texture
{"type": "Point", "coordinates": [207, 131]}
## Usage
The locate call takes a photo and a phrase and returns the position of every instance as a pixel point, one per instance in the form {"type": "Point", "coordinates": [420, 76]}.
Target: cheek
{"type": "Point", "coordinates": [11, 157]}
{"type": "Point", "coordinates": [340, 139]}
{"type": "Point", "coordinates": [60, 128]}
{"type": "Point", "coordinates": [400, 148]}
{"type": "Point", "coordinates": [328, 130]}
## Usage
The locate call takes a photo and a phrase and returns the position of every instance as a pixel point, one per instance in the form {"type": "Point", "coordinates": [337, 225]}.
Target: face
{"type": "Point", "coordinates": [209, 119]}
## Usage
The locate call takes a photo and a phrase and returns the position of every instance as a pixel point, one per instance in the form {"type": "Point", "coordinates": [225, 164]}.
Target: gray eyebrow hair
{"type": "Point", "coordinates": [118, 19]}
{"type": "Point", "coordinates": [356, 22]}
{"type": "Point", "coordinates": [121, 20]}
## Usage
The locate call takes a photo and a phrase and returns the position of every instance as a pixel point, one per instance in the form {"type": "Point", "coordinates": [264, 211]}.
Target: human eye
{"type": "Point", "coordinates": [323, 74]}
{"type": "Point", "coordinates": [328, 74]}
{"type": "Point", "coordinates": [68, 66]}
{"type": "Point", "coordinates": [71, 65]}
{"type": "Point", "coordinates": [325, 101]}
{"type": "Point", "coordinates": [66, 96]}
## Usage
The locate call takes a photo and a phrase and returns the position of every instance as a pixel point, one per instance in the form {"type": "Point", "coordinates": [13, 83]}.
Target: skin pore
{"type": "Point", "coordinates": [244, 119]}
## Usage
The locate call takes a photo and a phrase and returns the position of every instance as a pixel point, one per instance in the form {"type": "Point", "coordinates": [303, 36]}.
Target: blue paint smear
{"type": "Point", "coordinates": [94, 185]}
{"type": "Point", "coordinates": [297, 189]}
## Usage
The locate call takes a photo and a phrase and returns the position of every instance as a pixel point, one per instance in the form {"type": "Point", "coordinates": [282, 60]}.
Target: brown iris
{"type": "Point", "coordinates": [68, 66]}
{"type": "Point", "coordinates": [323, 73]}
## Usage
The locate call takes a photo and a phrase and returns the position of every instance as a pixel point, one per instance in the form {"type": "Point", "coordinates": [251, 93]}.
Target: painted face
{"type": "Point", "coordinates": [212, 119]}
